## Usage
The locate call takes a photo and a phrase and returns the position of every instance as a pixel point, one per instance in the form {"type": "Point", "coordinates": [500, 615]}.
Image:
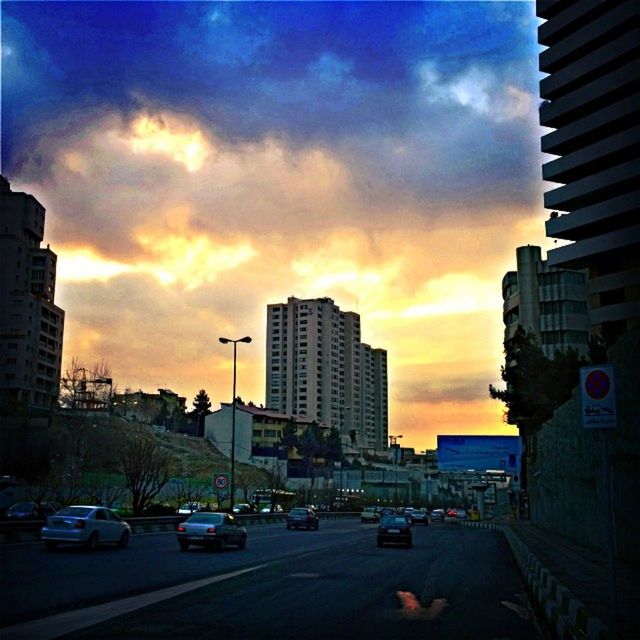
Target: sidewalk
{"type": "Point", "coordinates": [571, 584]}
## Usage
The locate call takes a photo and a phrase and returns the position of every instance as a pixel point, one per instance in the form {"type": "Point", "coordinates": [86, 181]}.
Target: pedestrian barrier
{"type": "Point", "coordinates": [567, 616]}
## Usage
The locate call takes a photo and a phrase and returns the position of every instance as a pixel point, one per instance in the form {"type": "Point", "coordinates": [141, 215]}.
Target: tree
{"type": "Point", "coordinates": [535, 386]}
{"type": "Point", "coordinates": [333, 447]}
{"type": "Point", "coordinates": [146, 469]}
{"type": "Point", "coordinates": [275, 479]}
{"type": "Point", "coordinates": [311, 445]}
{"type": "Point", "coordinates": [188, 491]}
{"type": "Point", "coordinates": [87, 389]}
{"type": "Point", "coordinates": [247, 478]}
{"type": "Point", "coordinates": [201, 409]}
{"type": "Point", "coordinates": [289, 438]}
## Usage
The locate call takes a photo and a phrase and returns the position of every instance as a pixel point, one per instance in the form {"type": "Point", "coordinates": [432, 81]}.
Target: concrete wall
{"type": "Point", "coordinates": [566, 480]}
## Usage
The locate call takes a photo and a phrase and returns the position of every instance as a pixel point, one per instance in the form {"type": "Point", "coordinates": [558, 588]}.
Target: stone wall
{"type": "Point", "coordinates": [566, 489]}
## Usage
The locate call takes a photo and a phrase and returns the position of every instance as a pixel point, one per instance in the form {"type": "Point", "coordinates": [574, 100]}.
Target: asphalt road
{"type": "Point", "coordinates": [455, 582]}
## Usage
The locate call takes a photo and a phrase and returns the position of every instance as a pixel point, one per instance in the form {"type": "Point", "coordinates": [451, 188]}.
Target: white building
{"type": "Point", "coordinates": [318, 367]}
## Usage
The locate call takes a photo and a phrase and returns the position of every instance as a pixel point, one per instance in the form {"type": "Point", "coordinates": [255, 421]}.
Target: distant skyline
{"type": "Point", "coordinates": [200, 160]}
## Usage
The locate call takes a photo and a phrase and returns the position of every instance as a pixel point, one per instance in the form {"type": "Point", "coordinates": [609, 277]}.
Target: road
{"type": "Point", "coordinates": [455, 582]}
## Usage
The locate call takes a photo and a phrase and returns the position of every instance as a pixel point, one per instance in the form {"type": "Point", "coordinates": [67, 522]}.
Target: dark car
{"type": "Point", "coordinates": [209, 529]}
{"type": "Point", "coordinates": [437, 514]}
{"type": "Point", "coordinates": [395, 529]}
{"type": "Point", "coordinates": [32, 510]}
{"type": "Point", "coordinates": [420, 516]}
{"type": "Point", "coordinates": [302, 517]}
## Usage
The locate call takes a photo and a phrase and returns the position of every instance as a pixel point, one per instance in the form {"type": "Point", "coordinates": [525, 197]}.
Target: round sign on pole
{"type": "Point", "coordinates": [597, 384]}
{"type": "Point", "coordinates": [598, 397]}
{"type": "Point", "coordinates": [221, 482]}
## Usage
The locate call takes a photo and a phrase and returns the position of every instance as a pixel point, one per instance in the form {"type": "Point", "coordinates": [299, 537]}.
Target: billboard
{"type": "Point", "coordinates": [480, 453]}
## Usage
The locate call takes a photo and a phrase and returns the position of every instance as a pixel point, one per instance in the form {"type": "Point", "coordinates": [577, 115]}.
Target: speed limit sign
{"type": "Point", "coordinates": [221, 481]}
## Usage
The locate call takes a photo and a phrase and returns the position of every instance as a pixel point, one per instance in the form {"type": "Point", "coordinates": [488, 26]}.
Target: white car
{"type": "Point", "coordinates": [190, 507]}
{"type": "Point", "coordinates": [276, 509]}
{"type": "Point", "coordinates": [85, 525]}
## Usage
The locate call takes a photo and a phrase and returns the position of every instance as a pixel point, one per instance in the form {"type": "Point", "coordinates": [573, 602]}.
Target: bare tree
{"type": "Point", "coordinates": [101, 489]}
{"type": "Point", "coordinates": [187, 491]}
{"type": "Point", "coordinates": [146, 468]}
{"type": "Point", "coordinates": [275, 479]}
{"type": "Point", "coordinates": [247, 478]}
{"type": "Point", "coordinates": [87, 389]}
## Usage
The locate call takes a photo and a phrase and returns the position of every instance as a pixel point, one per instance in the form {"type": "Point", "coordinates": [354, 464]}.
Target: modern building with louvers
{"type": "Point", "coordinates": [548, 301]}
{"type": "Point", "coordinates": [31, 325]}
{"type": "Point", "coordinates": [317, 366]}
{"type": "Point", "coordinates": [591, 103]}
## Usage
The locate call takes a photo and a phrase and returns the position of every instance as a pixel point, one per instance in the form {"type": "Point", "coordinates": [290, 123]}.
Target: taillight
{"type": "Point", "coordinates": [181, 528]}
{"type": "Point", "coordinates": [79, 524]}
{"type": "Point", "coordinates": [211, 530]}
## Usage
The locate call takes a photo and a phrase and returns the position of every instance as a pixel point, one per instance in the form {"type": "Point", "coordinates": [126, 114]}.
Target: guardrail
{"type": "Point", "coordinates": [29, 530]}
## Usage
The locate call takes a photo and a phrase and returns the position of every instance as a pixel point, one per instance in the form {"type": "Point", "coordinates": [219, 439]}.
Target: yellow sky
{"type": "Point", "coordinates": [168, 238]}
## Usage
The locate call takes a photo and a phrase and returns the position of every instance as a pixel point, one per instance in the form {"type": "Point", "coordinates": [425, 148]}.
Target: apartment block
{"type": "Point", "coordinates": [316, 367]}
{"type": "Point", "coordinates": [549, 301]}
{"type": "Point", "coordinates": [592, 104]}
{"type": "Point", "coordinates": [31, 325]}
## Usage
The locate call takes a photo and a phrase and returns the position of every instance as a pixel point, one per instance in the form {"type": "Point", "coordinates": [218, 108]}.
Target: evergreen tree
{"type": "Point", "coordinates": [201, 409]}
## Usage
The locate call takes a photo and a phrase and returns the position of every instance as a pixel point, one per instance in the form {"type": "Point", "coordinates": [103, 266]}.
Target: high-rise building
{"type": "Point", "coordinates": [31, 325]}
{"type": "Point", "coordinates": [550, 302]}
{"type": "Point", "coordinates": [316, 367]}
{"type": "Point", "coordinates": [592, 103]}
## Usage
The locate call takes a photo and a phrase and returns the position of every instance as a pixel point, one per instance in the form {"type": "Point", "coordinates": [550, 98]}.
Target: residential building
{"type": "Point", "coordinates": [549, 301]}
{"type": "Point", "coordinates": [31, 325]}
{"type": "Point", "coordinates": [163, 408]}
{"type": "Point", "coordinates": [592, 103]}
{"type": "Point", "coordinates": [258, 431]}
{"type": "Point", "coordinates": [316, 367]}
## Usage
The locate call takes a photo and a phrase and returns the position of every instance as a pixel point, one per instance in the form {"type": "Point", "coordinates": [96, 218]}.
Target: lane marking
{"type": "Point", "coordinates": [64, 623]}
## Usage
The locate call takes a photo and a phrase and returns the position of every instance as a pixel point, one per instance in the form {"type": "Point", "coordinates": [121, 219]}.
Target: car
{"type": "Point", "coordinates": [451, 512]}
{"type": "Point", "coordinates": [420, 516]}
{"type": "Point", "coordinates": [243, 507]}
{"type": "Point", "coordinates": [395, 529]}
{"type": "Point", "coordinates": [302, 517]}
{"type": "Point", "coordinates": [31, 510]}
{"type": "Point", "coordinates": [369, 514]}
{"type": "Point", "coordinates": [211, 529]}
{"type": "Point", "coordinates": [276, 508]}
{"type": "Point", "coordinates": [461, 514]}
{"type": "Point", "coordinates": [190, 507]}
{"type": "Point", "coordinates": [437, 515]}
{"type": "Point", "coordinates": [86, 525]}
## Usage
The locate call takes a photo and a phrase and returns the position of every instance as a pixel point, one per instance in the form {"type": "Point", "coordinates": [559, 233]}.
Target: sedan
{"type": "Point", "coordinates": [420, 516]}
{"type": "Point", "coordinates": [302, 517]}
{"type": "Point", "coordinates": [88, 526]}
{"type": "Point", "coordinates": [31, 510]}
{"type": "Point", "coordinates": [395, 529]}
{"type": "Point", "coordinates": [207, 529]}
{"type": "Point", "coordinates": [437, 514]}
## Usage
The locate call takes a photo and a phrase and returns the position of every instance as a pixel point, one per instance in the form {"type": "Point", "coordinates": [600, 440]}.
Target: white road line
{"type": "Point", "coordinates": [63, 623]}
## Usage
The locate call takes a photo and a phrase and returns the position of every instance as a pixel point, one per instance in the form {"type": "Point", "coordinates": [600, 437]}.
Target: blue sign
{"type": "Point", "coordinates": [479, 453]}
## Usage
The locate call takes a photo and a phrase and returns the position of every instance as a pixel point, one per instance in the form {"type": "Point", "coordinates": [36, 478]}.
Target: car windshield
{"type": "Point", "coordinates": [298, 512]}
{"type": "Point", "coordinates": [76, 512]}
{"type": "Point", "coordinates": [23, 506]}
{"type": "Point", "coordinates": [206, 518]}
{"type": "Point", "coordinates": [389, 521]}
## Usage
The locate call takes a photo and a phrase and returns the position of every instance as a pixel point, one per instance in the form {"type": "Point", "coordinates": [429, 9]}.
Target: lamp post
{"type": "Point", "coordinates": [393, 442]}
{"type": "Point", "coordinates": [233, 416]}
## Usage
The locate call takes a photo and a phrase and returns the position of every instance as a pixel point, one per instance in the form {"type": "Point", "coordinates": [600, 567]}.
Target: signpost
{"type": "Point", "coordinates": [598, 392]}
{"type": "Point", "coordinates": [221, 481]}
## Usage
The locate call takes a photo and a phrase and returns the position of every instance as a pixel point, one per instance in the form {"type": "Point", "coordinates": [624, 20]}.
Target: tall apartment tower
{"type": "Point", "coordinates": [549, 301]}
{"type": "Point", "coordinates": [315, 368]}
{"type": "Point", "coordinates": [592, 103]}
{"type": "Point", "coordinates": [31, 325]}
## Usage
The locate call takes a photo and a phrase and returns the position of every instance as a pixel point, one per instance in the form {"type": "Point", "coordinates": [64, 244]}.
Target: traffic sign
{"type": "Point", "coordinates": [597, 385]}
{"type": "Point", "coordinates": [221, 481]}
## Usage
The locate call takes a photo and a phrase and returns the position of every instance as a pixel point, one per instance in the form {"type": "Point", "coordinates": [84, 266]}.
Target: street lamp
{"type": "Point", "coordinates": [393, 442]}
{"type": "Point", "coordinates": [233, 415]}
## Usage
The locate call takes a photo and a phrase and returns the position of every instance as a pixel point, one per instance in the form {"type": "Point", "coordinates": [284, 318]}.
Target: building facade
{"type": "Point", "coordinates": [318, 367]}
{"type": "Point", "coordinates": [31, 325]}
{"type": "Point", "coordinates": [165, 408]}
{"type": "Point", "coordinates": [549, 301]}
{"type": "Point", "coordinates": [592, 102]}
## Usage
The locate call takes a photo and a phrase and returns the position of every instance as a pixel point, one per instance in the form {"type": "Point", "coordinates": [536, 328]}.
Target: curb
{"type": "Point", "coordinates": [567, 616]}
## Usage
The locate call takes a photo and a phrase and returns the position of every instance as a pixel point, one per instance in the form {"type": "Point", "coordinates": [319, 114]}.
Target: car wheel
{"type": "Point", "coordinates": [243, 542]}
{"type": "Point", "coordinates": [379, 542]}
{"type": "Point", "coordinates": [92, 542]}
{"type": "Point", "coordinates": [123, 543]}
{"type": "Point", "coordinates": [222, 544]}
{"type": "Point", "coordinates": [50, 545]}
{"type": "Point", "coordinates": [184, 545]}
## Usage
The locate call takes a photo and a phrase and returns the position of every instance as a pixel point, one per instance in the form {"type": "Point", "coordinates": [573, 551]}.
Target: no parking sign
{"type": "Point", "coordinates": [598, 397]}
{"type": "Point", "coordinates": [221, 481]}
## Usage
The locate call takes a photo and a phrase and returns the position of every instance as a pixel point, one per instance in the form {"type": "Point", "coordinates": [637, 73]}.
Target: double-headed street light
{"type": "Point", "coordinates": [233, 415]}
{"type": "Point", "coordinates": [393, 442]}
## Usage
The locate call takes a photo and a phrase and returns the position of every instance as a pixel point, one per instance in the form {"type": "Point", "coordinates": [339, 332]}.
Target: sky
{"type": "Point", "coordinates": [200, 160]}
